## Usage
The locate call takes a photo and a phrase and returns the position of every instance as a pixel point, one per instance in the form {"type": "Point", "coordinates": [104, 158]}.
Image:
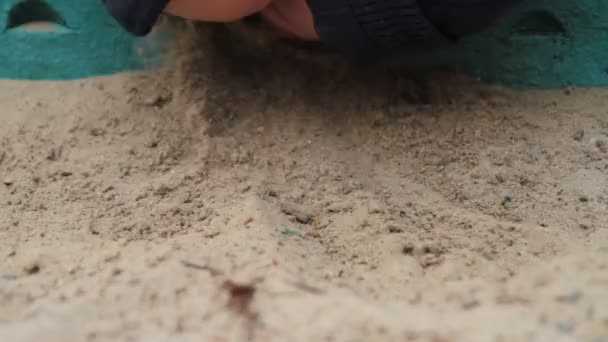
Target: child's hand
{"type": "Point", "coordinates": [215, 10]}
{"type": "Point", "coordinates": [290, 16]}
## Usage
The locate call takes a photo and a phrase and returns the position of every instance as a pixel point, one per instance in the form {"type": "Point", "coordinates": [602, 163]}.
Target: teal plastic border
{"type": "Point", "coordinates": [542, 44]}
{"type": "Point", "coordinates": [90, 44]}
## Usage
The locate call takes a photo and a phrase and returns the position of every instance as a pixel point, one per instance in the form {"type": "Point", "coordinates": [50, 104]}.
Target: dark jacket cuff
{"type": "Point", "coordinates": [367, 30]}
{"type": "Point", "coordinates": [136, 16]}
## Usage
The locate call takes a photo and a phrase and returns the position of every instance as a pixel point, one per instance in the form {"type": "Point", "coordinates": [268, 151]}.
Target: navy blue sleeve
{"type": "Point", "coordinates": [459, 18]}
{"type": "Point", "coordinates": [136, 16]}
{"type": "Point", "coordinates": [368, 30]}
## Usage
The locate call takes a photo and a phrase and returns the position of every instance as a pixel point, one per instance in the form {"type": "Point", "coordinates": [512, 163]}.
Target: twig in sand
{"type": "Point", "coordinates": [213, 271]}
{"type": "Point", "coordinates": [308, 288]}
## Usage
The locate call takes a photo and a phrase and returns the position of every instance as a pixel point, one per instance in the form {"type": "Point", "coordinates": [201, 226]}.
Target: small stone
{"type": "Point", "coordinates": [7, 182]}
{"type": "Point", "coordinates": [339, 208]}
{"type": "Point", "coordinates": [601, 145]}
{"type": "Point", "coordinates": [152, 144]}
{"type": "Point", "coordinates": [299, 213]}
{"type": "Point", "coordinates": [374, 207]}
{"type": "Point", "coordinates": [32, 268]}
{"type": "Point", "coordinates": [584, 199]}
{"type": "Point", "coordinates": [579, 135]}
{"type": "Point", "coordinates": [97, 132]}
{"type": "Point", "coordinates": [158, 100]}
{"type": "Point", "coordinates": [248, 220]}
{"type": "Point", "coordinates": [54, 154]}
{"type": "Point", "coordinates": [408, 249]}
{"type": "Point", "coordinates": [107, 189]}
{"type": "Point", "coordinates": [430, 260]}
{"type": "Point", "coordinates": [470, 304]}
{"type": "Point", "coordinates": [112, 257]}
{"type": "Point", "coordinates": [394, 229]}
{"type": "Point", "coordinates": [162, 190]}
{"type": "Point", "coordinates": [65, 173]}
{"type": "Point", "coordinates": [92, 228]}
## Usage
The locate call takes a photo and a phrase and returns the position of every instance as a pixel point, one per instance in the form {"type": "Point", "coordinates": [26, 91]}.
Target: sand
{"type": "Point", "coordinates": [307, 204]}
